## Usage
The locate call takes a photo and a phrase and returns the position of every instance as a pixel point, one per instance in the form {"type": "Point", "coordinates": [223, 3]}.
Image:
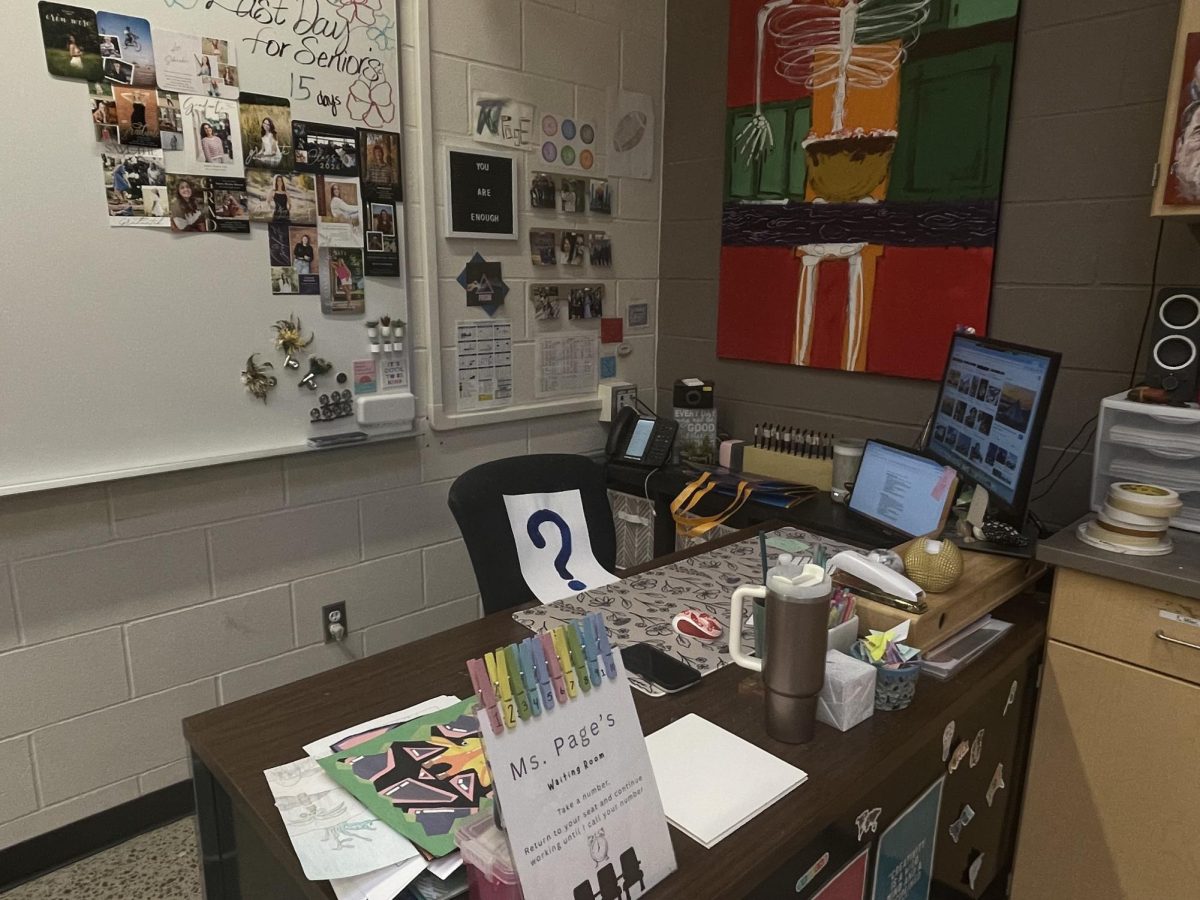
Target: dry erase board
{"type": "Point", "coordinates": [122, 347]}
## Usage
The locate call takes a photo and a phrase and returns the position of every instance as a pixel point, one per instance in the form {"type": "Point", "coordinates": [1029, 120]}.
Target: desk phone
{"type": "Point", "coordinates": [644, 440]}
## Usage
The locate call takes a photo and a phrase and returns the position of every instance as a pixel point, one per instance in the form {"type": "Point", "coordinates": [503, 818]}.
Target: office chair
{"type": "Point", "coordinates": [477, 502]}
{"type": "Point", "coordinates": [631, 871]}
{"type": "Point", "coordinates": [610, 889]}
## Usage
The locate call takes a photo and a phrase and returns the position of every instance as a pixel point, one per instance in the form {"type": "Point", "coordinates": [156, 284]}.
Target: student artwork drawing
{"type": "Point", "coordinates": [422, 778]}
{"type": "Point", "coordinates": [865, 150]}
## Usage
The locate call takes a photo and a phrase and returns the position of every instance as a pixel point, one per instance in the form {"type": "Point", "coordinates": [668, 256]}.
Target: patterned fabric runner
{"type": "Point", "coordinates": [640, 608]}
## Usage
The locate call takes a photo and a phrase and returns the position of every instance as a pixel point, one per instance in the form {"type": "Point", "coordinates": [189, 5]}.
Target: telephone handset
{"type": "Point", "coordinates": [645, 440]}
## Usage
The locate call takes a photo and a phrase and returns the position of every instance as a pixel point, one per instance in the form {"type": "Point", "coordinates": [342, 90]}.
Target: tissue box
{"type": "Point", "coordinates": [848, 696]}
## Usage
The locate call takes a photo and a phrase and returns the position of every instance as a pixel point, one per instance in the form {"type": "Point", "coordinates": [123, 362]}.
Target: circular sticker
{"type": "Point", "coordinates": [568, 156]}
{"type": "Point", "coordinates": [549, 126]}
{"type": "Point", "coordinates": [549, 151]}
{"type": "Point", "coordinates": [587, 134]}
{"type": "Point", "coordinates": [587, 159]}
{"type": "Point", "coordinates": [568, 129]}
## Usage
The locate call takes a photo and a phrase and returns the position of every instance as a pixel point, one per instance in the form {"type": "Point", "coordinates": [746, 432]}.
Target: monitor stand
{"type": "Point", "coordinates": [975, 517]}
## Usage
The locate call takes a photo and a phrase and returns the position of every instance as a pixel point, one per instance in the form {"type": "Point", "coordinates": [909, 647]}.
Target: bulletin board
{"type": "Point", "coordinates": [600, 142]}
{"type": "Point", "coordinates": [123, 347]}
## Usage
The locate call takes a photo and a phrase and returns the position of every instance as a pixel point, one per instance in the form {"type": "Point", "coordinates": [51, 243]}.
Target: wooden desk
{"type": "Point", "coordinates": [886, 762]}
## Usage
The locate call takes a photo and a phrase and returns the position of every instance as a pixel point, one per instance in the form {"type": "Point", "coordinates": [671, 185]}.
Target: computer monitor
{"type": "Point", "coordinates": [989, 417]}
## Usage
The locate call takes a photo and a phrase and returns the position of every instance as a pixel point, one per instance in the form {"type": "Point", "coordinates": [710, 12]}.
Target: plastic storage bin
{"type": "Point", "coordinates": [1155, 444]}
{"type": "Point", "coordinates": [488, 860]}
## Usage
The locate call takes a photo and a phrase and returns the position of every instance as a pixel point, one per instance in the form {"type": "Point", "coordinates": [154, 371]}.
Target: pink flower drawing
{"type": "Point", "coordinates": [371, 102]}
{"type": "Point", "coordinates": [360, 12]}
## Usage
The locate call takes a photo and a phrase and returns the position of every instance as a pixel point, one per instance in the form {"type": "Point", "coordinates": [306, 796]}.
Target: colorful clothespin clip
{"type": "Point", "coordinates": [483, 690]}
{"type": "Point", "coordinates": [559, 636]}
{"type": "Point", "coordinates": [513, 664]}
{"type": "Point", "coordinates": [541, 671]}
{"type": "Point", "coordinates": [553, 666]}
{"type": "Point", "coordinates": [606, 650]}
{"type": "Point", "coordinates": [591, 649]}
{"type": "Point", "coordinates": [578, 658]}
{"type": "Point", "coordinates": [508, 706]}
{"type": "Point", "coordinates": [525, 658]}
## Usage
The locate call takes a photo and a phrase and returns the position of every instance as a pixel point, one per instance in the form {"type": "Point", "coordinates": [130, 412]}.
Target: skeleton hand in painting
{"type": "Point", "coordinates": [755, 140]}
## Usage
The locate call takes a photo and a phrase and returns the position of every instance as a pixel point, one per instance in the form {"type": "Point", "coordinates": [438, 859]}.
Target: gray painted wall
{"type": "Point", "coordinates": [1075, 261]}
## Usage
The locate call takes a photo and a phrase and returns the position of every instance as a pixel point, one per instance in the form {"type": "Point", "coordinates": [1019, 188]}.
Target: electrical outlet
{"type": "Point", "coordinates": [625, 397]}
{"type": "Point", "coordinates": [333, 622]}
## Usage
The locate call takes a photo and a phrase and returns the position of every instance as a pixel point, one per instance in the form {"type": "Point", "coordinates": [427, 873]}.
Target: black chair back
{"type": "Point", "coordinates": [477, 502]}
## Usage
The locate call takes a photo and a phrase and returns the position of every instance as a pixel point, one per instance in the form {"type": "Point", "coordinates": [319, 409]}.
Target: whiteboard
{"type": "Point", "coordinates": [122, 348]}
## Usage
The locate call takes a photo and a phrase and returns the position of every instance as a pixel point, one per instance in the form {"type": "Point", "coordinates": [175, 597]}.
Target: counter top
{"type": "Point", "coordinates": [1176, 573]}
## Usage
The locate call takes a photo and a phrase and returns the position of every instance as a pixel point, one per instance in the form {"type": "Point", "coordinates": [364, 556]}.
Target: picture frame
{"type": "Point", "coordinates": [1177, 171]}
{"type": "Point", "coordinates": [470, 213]}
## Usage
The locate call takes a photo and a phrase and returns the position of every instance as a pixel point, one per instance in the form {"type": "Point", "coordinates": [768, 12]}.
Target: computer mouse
{"type": "Point", "coordinates": [696, 624]}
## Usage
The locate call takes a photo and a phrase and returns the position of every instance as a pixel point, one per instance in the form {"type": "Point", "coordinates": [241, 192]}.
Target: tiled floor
{"type": "Point", "coordinates": [158, 865]}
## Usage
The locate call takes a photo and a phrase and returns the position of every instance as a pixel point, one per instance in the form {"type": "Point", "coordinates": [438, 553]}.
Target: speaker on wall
{"type": "Point", "coordinates": [1174, 363]}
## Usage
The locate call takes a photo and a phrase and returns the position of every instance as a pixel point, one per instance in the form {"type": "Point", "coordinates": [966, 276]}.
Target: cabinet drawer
{"type": "Point", "coordinates": [1123, 621]}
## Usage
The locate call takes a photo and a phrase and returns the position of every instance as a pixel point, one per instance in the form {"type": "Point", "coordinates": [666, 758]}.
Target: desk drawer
{"type": "Point", "coordinates": [1123, 621]}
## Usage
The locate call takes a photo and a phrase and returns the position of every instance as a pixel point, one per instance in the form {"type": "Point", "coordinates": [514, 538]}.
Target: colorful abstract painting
{"type": "Point", "coordinates": [864, 155]}
{"type": "Point", "coordinates": [422, 778]}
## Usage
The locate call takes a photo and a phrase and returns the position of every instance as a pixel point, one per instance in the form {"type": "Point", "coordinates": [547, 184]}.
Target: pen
{"type": "Point", "coordinates": [541, 671]}
{"type": "Point", "coordinates": [507, 706]}
{"type": "Point", "coordinates": [546, 639]}
{"type": "Point", "coordinates": [483, 690]}
{"type": "Point", "coordinates": [564, 660]}
{"type": "Point", "coordinates": [787, 441]}
{"type": "Point", "coordinates": [590, 650]}
{"type": "Point", "coordinates": [529, 676]}
{"type": "Point", "coordinates": [578, 658]}
{"type": "Point", "coordinates": [606, 652]}
{"type": "Point", "coordinates": [513, 664]}
{"type": "Point", "coordinates": [756, 435]}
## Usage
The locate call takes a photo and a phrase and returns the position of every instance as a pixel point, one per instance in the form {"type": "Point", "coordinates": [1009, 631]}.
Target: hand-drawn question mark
{"type": "Point", "coordinates": [536, 521]}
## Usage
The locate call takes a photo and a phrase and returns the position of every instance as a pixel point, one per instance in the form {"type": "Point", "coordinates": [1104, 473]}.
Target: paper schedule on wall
{"type": "Point", "coordinates": [484, 364]}
{"type": "Point", "coordinates": [553, 545]}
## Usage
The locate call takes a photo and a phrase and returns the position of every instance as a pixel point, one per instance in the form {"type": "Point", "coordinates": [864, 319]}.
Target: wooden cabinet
{"type": "Point", "coordinates": [1177, 181]}
{"type": "Point", "coordinates": [1112, 792]}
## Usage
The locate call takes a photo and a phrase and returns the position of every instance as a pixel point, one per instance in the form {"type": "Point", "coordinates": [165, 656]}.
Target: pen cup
{"type": "Point", "coordinates": [847, 457]}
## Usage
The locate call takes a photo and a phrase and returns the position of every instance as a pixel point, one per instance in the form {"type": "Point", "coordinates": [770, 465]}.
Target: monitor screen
{"type": "Point", "coordinates": [990, 412]}
{"type": "Point", "coordinates": [639, 439]}
{"type": "Point", "coordinates": [901, 490]}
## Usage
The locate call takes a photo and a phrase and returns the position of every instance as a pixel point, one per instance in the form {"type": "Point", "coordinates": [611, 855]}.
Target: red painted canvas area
{"type": "Point", "coordinates": [743, 27]}
{"type": "Point", "coordinates": [921, 294]}
{"type": "Point", "coordinates": [757, 313]}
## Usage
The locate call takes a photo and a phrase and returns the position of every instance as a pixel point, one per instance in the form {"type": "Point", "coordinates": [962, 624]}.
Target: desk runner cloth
{"type": "Point", "coordinates": [640, 608]}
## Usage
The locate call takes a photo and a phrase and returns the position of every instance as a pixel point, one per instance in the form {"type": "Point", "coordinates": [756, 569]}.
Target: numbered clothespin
{"type": "Point", "coordinates": [508, 706]}
{"type": "Point", "coordinates": [553, 666]}
{"type": "Point", "coordinates": [482, 684]}
{"type": "Point", "coordinates": [558, 635]}
{"type": "Point", "coordinates": [591, 649]}
{"type": "Point", "coordinates": [606, 650]}
{"type": "Point", "coordinates": [512, 662]}
{"type": "Point", "coordinates": [578, 658]}
{"type": "Point", "coordinates": [541, 672]}
{"type": "Point", "coordinates": [529, 677]}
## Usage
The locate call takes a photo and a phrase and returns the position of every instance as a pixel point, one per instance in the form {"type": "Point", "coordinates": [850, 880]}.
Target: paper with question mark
{"type": "Point", "coordinates": [553, 545]}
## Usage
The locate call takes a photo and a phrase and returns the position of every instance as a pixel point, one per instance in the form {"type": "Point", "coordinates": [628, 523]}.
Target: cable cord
{"type": "Point", "coordinates": [1067, 449]}
{"type": "Point", "coordinates": [1062, 471]}
{"type": "Point", "coordinates": [1137, 353]}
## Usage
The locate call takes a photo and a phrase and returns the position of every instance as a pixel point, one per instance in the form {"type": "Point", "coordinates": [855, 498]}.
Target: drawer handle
{"type": "Point", "coordinates": [1170, 640]}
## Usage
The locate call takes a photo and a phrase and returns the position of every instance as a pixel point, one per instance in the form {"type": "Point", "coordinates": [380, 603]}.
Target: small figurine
{"type": "Point", "coordinates": [289, 338]}
{"type": "Point", "coordinates": [256, 380]}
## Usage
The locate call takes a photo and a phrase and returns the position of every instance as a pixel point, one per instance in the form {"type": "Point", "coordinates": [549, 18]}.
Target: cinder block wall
{"type": "Point", "coordinates": [125, 607]}
{"type": "Point", "coordinates": [1075, 257]}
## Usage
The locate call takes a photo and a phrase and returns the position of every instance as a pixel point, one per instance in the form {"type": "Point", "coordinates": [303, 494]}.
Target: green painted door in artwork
{"type": "Point", "coordinates": [743, 174]}
{"type": "Point", "coordinates": [798, 171]}
{"type": "Point", "coordinates": [965, 13]}
{"type": "Point", "coordinates": [953, 117]}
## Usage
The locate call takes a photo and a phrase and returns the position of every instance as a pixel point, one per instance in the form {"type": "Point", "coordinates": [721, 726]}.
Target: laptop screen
{"type": "Point", "coordinates": [901, 490]}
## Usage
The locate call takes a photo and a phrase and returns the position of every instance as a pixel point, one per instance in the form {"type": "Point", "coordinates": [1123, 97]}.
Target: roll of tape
{"type": "Point", "coordinates": [1133, 520]}
{"type": "Point", "coordinates": [1144, 499]}
{"type": "Point", "coordinates": [1101, 533]}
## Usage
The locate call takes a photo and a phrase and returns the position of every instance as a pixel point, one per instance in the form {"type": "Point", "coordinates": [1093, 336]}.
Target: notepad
{"type": "Point", "coordinates": [691, 754]}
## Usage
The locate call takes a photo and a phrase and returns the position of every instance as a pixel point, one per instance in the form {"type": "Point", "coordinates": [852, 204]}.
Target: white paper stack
{"type": "Point", "coordinates": [691, 753]}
